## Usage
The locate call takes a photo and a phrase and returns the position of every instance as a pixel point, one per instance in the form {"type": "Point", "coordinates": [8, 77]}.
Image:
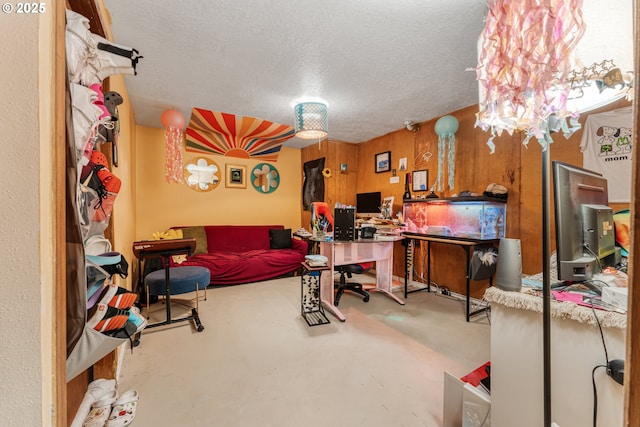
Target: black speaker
{"type": "Point", "coordinates": [344, 224]}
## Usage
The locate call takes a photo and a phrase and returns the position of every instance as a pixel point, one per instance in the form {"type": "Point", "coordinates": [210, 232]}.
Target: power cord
{"type": "Point", "coordinates": [614, 368]}
{"type": "Point", "coordinates": [595, 394]}
{"type": "Point", "coordinates": [594, 255]}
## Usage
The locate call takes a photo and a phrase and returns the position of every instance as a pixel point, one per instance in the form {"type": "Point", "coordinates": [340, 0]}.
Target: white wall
{"type": "Point", "coordinates": [25, 169]}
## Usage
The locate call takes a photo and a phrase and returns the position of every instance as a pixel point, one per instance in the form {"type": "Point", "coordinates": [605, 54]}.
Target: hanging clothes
{"type": "Point", "coordinates": [606, 148]}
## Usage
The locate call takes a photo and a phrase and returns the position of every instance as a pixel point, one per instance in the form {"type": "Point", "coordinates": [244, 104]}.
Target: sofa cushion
{"type": "Point", "coordinates": [280, 239]}
{"type": "Point", "coordinates": [199, 234]}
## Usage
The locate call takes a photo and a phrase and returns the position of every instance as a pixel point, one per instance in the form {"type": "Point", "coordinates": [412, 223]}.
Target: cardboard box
{"type": "Point", "coordinates": [615, 296]}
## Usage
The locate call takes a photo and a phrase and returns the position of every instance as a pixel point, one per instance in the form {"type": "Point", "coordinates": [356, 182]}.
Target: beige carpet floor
{"type": "Point", "coordinates": [257, 363]}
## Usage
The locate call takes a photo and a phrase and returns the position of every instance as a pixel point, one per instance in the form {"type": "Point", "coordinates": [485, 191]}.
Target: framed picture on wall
{"type": "Point", "coordinates": [236, 176]}
{"type": "Point", "coordinates": [383, 162]}
{"type": "Point", "coordinates": [420, 180]}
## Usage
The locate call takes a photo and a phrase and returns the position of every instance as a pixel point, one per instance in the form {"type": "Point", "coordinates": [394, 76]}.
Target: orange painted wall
{"type": "Point", "coordinates": [160, 205]}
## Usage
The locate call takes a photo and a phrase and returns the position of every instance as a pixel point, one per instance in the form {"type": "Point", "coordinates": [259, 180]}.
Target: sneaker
{"type": "Point", "coordinates": [86, 115]}
{"type": "Point", "coordinates": [96, 390]}
{"type": "Point", "coordinates": [97, 88]}
{"type": "Point", "coordinates": [98, 158]}
{"type": "Point", "coordinates": [103, 296]}
{"type": "Point", "coordinates": [137, 319]}
{"type": "Point", "coordinates": [111, 100]}
{"type": "Point", "coordinates": [106, 59]}
{"type": "Point", "coordinates": [121, 268]}
{"type": "Point", "coordinates": [123, 299]}
{"type": "Point", "coordinates": [77, 44]}
{"type": "Point", "coordinates": [106, 318]}
{"type": "Point", "coordinates": [96, 283]}
{"type": "Point", "coordinates": [109, 132]}
{"type": "Point", "coordinates": [100, 410]}
{"type": "Point", "coordinates": [124, 410]}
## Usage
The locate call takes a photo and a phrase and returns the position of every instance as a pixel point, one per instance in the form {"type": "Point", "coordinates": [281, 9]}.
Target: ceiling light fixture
{"type": "Point", "coordinates": [311, 120]}
{"type": "Point", "coordinates": [521, 92]}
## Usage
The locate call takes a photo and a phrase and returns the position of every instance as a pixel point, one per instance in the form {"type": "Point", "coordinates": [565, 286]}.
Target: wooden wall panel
{"type": "Point", "coordinates": [475, 169]}
{"type": "Point", "coordinates": [341, 186]}
{"type": "Point", "coordinates": [401, 144]}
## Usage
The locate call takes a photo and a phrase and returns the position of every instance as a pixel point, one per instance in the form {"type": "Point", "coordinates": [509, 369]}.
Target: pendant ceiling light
{"type": "Point", "coordinates": [536, 71]}
{"type": "Point", "coordinates": [311, 120]}
{"type": "Point", "coordinates": [446, 128]}
{"type": "Point", "coordinates": [523, 66]}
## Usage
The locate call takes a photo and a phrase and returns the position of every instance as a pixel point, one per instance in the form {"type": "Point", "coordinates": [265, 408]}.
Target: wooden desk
{"type": "Point", "coordinates": [465, 244]}
{"type": "Point", "coordinates": [354, 252]}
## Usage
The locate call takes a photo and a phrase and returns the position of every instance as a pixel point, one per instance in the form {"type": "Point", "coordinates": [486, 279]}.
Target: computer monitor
{"type": "Point", "coordinates": [585, 236]}
{"type": "Point", "coordinates": [368, 204]}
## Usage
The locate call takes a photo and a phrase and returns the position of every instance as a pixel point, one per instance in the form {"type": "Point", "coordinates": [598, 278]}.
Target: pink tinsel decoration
{"type": "Point", "coordinates": [173, 154]}
{"type": "Point", "coordinates": [524, 53]}
{"type": "Point", "coordinates": [174, 122]}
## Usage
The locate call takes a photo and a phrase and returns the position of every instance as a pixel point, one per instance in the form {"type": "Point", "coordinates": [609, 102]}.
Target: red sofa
{"type": "Point", "coordinates": [238, 254]}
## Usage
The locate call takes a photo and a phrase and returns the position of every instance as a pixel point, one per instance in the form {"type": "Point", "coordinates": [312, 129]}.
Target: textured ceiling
{"type": "Point", "coordinates": [376, 62]}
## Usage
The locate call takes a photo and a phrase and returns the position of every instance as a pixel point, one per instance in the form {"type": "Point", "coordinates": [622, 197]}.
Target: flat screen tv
{"type": "Point", "coordinates": [368, 204]}
{"type": "Point", "coordinates": [585, 236]}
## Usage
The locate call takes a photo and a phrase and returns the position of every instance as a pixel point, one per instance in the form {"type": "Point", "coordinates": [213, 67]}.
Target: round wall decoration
{"type": "Point", "coordinates": [326, 172]}
{"type": "Point", "coordinates": [201, 174]}
{"type": "Point", "coordinates": [265, 178]}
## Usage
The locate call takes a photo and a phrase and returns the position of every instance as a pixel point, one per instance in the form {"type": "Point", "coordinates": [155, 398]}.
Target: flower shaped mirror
{"type": "Point", "coordinates": [265, 178]}
{"type": "Point", "coordinates": [201, 174]}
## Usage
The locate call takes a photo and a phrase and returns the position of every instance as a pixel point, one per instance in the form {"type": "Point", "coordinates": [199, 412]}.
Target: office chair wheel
{"type": "Point", "coordinates": [366, 299]}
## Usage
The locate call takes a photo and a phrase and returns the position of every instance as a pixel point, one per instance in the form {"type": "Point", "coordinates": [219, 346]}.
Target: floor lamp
{"type": "Point", "coordinates": [546, 286]}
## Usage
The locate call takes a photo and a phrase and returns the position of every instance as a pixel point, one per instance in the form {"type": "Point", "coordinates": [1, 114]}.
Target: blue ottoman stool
{"type": "Point", "coordinates": [175, 281]}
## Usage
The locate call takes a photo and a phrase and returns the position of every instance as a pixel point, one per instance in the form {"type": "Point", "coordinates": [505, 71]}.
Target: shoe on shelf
{"type": "Point", "coordinates": [137, 319]}
{"type": "Point", "coordinates": [134, 324]}
{"type": "Point", "coordinates": [123, 299]}
{"type": "Point", "coordinates": [100, 411]}
{"type": "Point", "coordinates": [96, 390]}
{"type": "Point", "coordinates": [106, 318]}
{"type": "Point", "coordinates": [124, 410]}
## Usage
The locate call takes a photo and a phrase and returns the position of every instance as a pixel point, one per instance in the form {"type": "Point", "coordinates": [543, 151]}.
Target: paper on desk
{"type": "Point", "coordinates": [569, 297]}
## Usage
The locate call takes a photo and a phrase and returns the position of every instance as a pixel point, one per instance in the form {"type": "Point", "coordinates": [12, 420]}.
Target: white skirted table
{"type": "Point", "coordinates": [576, 349]}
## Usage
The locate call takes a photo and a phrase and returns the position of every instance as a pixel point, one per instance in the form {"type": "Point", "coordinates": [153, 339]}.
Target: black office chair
{"type": "Point", "coordinates": [347, 271]}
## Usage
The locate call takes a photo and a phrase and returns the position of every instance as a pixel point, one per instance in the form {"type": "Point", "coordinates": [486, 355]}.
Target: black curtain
{"type": "Point", "coordinates": [313, 185]}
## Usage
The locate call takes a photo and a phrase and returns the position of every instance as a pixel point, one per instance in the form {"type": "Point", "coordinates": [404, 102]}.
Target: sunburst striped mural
{"type": "Point", "coordinates": [235, 136]}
